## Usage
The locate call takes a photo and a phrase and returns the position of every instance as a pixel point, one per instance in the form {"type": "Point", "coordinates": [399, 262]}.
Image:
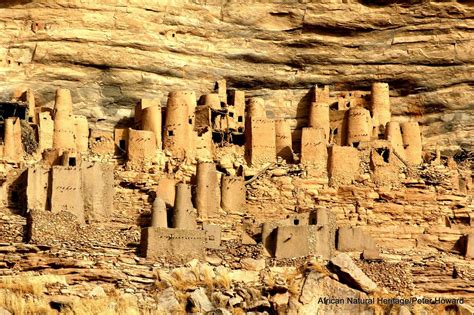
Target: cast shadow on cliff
{"type": "Point", "coordinates": [302, 114]}
{"type": "Point", "coordinates": [302, 108]}
{"type": "Point", "coordinates": [11, 3]}
{"type": "Point", "coordinates": [379, 3]}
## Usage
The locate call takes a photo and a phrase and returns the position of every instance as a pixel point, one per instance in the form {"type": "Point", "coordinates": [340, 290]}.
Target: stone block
{"type": "Point", "coordinates": [371, 254]}
{"type": "Point", "coordinates": [203, 117]}
{"type": "Point", "coordinates": [349, 271]}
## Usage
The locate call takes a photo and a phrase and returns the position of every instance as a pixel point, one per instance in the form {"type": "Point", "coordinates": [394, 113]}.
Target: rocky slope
{"type": "Point", "coordinates": [112, 53]}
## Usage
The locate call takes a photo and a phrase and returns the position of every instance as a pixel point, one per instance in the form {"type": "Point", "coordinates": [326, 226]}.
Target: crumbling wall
{"type": "Point", "coordinates": [102, 142]}
{"type": "Point", "coordinates": [260, 141]}
{"type": "Point", "coordinates": [384, 167]}
{"type": "Point", "coordinates": [344, 165]}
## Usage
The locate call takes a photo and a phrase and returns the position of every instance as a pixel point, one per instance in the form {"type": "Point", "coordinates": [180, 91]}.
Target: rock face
{"type": "Point", "coordinates": [351, 273]}
{"type": "Point", "coordinates": [113, 53]}
{"type": "Point", "coordinates": [322, 295]}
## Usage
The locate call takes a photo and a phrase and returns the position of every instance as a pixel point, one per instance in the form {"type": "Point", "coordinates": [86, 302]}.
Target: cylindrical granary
{"type": "Point", "coordinates": [179, 123]}
{"type": "Point", "coordinates": [412, 142]}
{"type": "Point", "coordinates": [359, 127]}
{"type": "Point", "coordinates": [63, 102]}
{"type": "Point", "coordinates": [12, 150]}
{"type": "Point", "coordinates": [283, 141]}
{"type": "Point", "coordinates": [158, 214]}
{"type": "Point", "coordinates": [319, 116]}
{"type": "Point", "coordinates": [212, 100]}
{"type": "Point", "coordinates": [207, 197]}
{"type": "Point", "coordinates": [151, 121]}
{"type": "Point", "coordinates": [64, 132]}
{"type": "Point", "coordinates": [380, 104]}
{"type": "Point", "coordinates": [232, 194]}
{"type": "Point", "coordinates": [82, 133]}
{"type": "Point", "coordinates": [183, 216]}
{"type": "Point", "coordinates": [256, 108]}
{"type": "Point", "coordinates": [394, 135]}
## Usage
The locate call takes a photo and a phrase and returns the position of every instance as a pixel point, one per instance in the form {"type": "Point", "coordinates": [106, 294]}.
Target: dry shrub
{"type": "Point", "coordinates": [201, 275]}
{"type": "Point", "coordinates": [223, 279]}
{"type": "Point", "coordinates": [25, 295]}
{"type": "Point", "coordinates": [316, 266]}
{"type": "Point", "coordinates": [32, 284]}
{"type": "Point", "coordinates": [105, 306]}
{"type": "Point", "coordinates": [20, 303]}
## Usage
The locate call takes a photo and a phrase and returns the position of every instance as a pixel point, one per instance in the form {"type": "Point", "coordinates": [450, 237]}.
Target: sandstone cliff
{"type": "Point", "coordinates": [115, 52]}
